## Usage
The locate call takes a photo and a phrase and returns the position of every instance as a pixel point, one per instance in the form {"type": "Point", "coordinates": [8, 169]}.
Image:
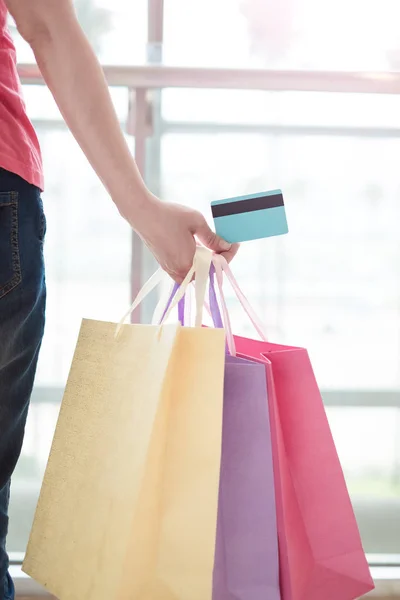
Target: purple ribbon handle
{"type": "Point", "coordinates": [214, 307]}
{"type": "Point", "coordinates": [181, 305]}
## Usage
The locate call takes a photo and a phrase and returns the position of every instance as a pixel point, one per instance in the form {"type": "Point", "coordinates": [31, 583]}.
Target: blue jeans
{"type": "Point", "coordinates": [22, 308]}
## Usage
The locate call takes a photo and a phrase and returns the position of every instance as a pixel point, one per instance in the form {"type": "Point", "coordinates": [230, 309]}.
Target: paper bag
{"type": "Point", "coordinates": [246, 560]}
{"type": "Point", "coordinates": [321, 554]}
{"type": "Point", "coordinates": [128, 506]}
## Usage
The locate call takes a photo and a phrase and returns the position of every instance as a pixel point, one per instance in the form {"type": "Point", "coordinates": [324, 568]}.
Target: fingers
{"type": "Point", "coordinates": [178, 265]}
{"type": "Point", "coordinates": [179, 274]}
{"type": "Point", "coordinates": [230, 255]}
{"type": "Point", "coordinates": [210, 239]}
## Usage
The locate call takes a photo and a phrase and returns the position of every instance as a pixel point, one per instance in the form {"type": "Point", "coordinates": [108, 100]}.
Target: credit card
{"type": "Point", "coordinates": [250, 217]}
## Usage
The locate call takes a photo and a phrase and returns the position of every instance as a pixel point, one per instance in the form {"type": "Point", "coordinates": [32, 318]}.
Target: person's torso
{"type": "Point", "coordinates": [19, 146]}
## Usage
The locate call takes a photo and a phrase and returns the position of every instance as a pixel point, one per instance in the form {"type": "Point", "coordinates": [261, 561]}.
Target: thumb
{"type": "Point", "coordinates": [210, 239]}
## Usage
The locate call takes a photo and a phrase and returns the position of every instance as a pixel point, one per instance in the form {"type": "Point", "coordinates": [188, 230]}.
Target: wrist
{"type": "Point", "coordinates": [137, 205]}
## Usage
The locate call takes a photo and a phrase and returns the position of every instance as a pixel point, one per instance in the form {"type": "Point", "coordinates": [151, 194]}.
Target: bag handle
{"type": "Point", "coordinates": [200, 270]}
{"type": "Point", "coordinates": [218, 267]}
{"type": "Point", "coordinates": [165, 303]}
{"type": "Point", "coordinates": [215, 312]}
{"type": "Point", "coordinates": [221, 266]}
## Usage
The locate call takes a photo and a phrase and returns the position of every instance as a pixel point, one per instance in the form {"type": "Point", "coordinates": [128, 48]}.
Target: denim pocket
{"type": "Point", "coordinates": [10, 267]}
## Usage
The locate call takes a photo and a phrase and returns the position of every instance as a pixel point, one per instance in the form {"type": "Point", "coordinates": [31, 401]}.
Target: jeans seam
{"type": "Point", "coordinates": [14, 240]}
{"type": "Point", "coordinates": [42, 232]}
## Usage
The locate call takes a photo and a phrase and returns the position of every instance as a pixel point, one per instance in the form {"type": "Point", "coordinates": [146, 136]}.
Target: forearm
{"type": "Point", "coordinates": [75, 78]}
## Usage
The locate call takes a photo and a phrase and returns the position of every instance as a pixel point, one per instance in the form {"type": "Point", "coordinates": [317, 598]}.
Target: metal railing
{"type": "Point", "coordinates": [159, 77]}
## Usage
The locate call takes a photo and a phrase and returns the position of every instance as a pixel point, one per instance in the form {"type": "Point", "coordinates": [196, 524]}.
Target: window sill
{"type": "Point", "coordinates": [387, 580]}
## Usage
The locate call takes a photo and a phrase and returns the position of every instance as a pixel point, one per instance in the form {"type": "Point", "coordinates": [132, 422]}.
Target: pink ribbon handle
{"type": "Point", "coordinates": [224, 321]}
{"type": "Point", "coordinates": [221, 267]}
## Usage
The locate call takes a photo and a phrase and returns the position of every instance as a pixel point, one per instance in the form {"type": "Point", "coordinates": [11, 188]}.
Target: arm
{"type": "Point", "coordinates": [76, 80]}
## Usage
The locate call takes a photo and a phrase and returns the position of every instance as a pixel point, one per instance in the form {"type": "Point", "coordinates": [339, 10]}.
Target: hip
{"type": "Point", "coordinates": [22, 233]}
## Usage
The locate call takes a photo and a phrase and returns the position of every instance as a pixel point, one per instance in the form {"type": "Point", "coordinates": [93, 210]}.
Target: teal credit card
{"type": "Point", "coordinates": [251, 217]}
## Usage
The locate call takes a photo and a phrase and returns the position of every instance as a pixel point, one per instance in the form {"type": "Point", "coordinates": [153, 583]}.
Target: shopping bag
{"type": "Point", "coordinates": [246, 559]}
{"type": "Point", "coordinates": [320, 549]}
{"type": "Point", "coordinates": [128, 507]}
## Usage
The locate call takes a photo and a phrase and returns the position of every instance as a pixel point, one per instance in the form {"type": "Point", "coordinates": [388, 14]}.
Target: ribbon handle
{"type": "Point", "coordinates": [199, 270]}
{"type": "Point", "coordinates": [221, 266]}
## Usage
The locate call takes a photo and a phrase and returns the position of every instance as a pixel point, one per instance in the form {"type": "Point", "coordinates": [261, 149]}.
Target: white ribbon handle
{"type": "Point", "coordinates": [200, 269]}
{"type": "Point", "coordinates": [165, 295]}
{"type": "Point", "coordinates": [203, 265]}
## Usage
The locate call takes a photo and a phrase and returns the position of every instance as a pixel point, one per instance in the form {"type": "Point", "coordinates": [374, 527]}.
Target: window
{"type": "Point", "coordinates": [332, 285]}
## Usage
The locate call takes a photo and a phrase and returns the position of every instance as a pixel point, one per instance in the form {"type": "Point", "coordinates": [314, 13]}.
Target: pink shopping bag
{"type": "Point", "coordinates": [320, 550]}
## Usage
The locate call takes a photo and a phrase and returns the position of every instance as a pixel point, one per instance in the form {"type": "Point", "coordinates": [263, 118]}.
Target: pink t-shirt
{"type": "Point", "coordinates": [19, 146]}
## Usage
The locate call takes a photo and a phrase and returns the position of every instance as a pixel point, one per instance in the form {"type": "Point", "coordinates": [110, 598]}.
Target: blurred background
{"type": "Point", "coordinates": [324, 135]}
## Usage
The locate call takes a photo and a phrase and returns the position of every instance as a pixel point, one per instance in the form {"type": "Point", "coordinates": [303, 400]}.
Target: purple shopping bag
{"type": "Point", "coordinates": [246, 559]}
{"type": "Point", "coordinates": [246, 556]}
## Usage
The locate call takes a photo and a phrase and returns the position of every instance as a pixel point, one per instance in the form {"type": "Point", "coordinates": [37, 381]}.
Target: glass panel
{"type": "Point", "coordinates": [368, 442]}
{"type": "Point", "coordinates": [28, 476]}
{"type": "Point", "coordinates": [332, 285]}
{"type": "Point", "coordinates": [117, 31]}
{"type": "Point", "coordinates": [86, 238]}
{"type": "Point", "coordinates": [248, 107]}
{"type": "Point", "coordinates": [42, 107]}
{"type": "Point", "coordinates": [88, 254]}
{"type": "Point", "coordinates": [341, 35]}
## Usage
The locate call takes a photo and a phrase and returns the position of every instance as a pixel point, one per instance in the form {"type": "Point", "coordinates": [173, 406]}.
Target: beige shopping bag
{"type": "Point", "coordinates": [128, 506]}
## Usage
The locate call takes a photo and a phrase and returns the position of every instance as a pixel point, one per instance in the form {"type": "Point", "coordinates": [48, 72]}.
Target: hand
{"type": "Point", "coordinates": [169, 231]}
